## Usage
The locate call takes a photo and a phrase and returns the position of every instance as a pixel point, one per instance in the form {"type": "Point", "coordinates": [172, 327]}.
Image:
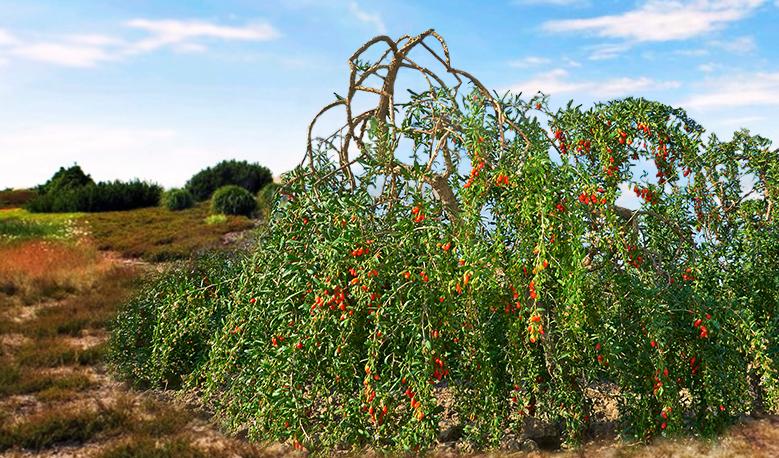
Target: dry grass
{"type": "Point", "coordinates": [158, 234]}
{"type": "Point", "coordinates": [35, 270]}
{"type": "Point", "coordinates": [55, 396]}
{"type": "Point", "coordinates": [14, 198]}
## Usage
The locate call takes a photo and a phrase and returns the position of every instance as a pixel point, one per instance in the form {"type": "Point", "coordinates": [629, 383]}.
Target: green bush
{"type": "Point", "coordinates": [162, 335]}
{"type": "Point", "coordinates": [233, 200]}
{"type": "Point", "coordinates": [390, 293]}
{"type": "Point", "coordinates": [178, 199]}
{"type": "Point", "coordinates": [66, 179]}
{"type": "Point", "coordinates": [98, 197]}
{"type": "Point", "coordinates": [250, 176]}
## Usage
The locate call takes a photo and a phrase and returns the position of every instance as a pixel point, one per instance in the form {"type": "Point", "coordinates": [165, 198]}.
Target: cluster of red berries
{"type": "Point", "coordinates": [600, 358]}
{"type": "Point", "coordinates": [474, 174]}
{"type": "Point", "coordinates": [536, 328]}
{"type": "Point", "coordinates": [439, 372]}
{"type": "Point", "coordinates": [646, 194]}
{"type": "Point", "coordinates": [584, 146]}
{"type": "Point", "coordinates": [592, 199]}
{"type": "Point", "coordinates": [502, 180]}
{"type": "Point", "coordinates": [698, 324]}
{"type": "Point", "coordinates": [634, 259]}
{"type": "Point", "coordinates": [560, 136]}
{"type": "Point", "coordinates": [419, 214]}
{"type": "Point", "coordinates": [611, 168]}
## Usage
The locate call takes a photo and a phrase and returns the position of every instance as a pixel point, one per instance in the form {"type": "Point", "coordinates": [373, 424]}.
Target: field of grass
{"type": "Point", "coordinates": [56, 396]}
{"type": "Point", "coordinates": [157, 234]}
{"type": "Point", "coordinates": [152, 234]}
{"type": "Point", "coordinates": [17, 224]}
{"type": "Point", "coordinates": [34, 270]}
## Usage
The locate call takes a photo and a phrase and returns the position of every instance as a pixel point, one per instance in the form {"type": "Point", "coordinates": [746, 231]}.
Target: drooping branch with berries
{"type": "Point", "coordinates": [454, 255]}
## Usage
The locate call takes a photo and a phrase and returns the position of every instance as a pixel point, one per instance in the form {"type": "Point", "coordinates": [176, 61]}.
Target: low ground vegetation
{"type": "Point", "coordinates": [157, 234]}
{"type": "Point", "coordinates": [56, 398]}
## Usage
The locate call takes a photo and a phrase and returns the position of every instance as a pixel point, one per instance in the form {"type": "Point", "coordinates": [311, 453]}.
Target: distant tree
{"type": "Point", "coordinates": [250, 176]}
{"type": "Point", "coordinates": [66, 179]}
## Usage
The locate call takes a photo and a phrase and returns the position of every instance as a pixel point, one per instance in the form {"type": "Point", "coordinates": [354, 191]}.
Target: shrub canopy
{"type": "Point", "coordinates": [96, 197]}
{"type": "Point", "coordinates": [66, 179]}
{"type": "Point", "coordinates": [178, 199]}
{"type": "Point", "coordinates": [233, 200]}
{"type": "Point", "coordinates": [476, 260]}
{"type": "Point", "coordinates": [250, 176]}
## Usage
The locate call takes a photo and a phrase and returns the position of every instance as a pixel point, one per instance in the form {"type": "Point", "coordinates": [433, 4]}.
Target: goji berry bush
{"type": "Point", "coordinates": [466, 246]}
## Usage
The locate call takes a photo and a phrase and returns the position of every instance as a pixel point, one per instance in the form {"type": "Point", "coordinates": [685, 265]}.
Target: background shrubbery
{"type": "Point", "coordinates": [233, 200]}
{"type": "Point", "coordinates": [250, 176]}
{"type": "Point", "coordinates": [178, 199]}
{"type": "Point", "coordinates": [97, 197]}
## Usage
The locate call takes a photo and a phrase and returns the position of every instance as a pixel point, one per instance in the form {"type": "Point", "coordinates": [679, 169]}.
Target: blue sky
{"type": "Point", "coordinates": [160, 89]}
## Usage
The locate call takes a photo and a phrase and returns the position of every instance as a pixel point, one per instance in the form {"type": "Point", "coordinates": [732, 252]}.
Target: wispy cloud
{"type": "Point", "coordinates": [69, 55]}
{"type": "Point", "coordinates": [607, 51]}
{"type": "Point", "coordinates": [184, 34]}
{"type": "Point", "coordinates": [707, 68]}
{"type": "Point", "coordinates": [372, 19]}
{"type": "Point", "coordinates": [6, 38]}
{"type": "Point", "coordinates": [89, 50]}
{"type": "Point", "coordinates": [738, 45]}
{"type": "Point", "coordinates": [747, 89]}
{"type": "Point", "coordinates": [529, 61]}
{"type": "Point", "coordinates": [661, 20]}
{"type": "Point", "coordinates": [558, 81]}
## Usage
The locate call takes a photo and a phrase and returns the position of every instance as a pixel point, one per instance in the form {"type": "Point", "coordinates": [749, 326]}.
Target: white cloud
{"type": "Point", "coordinates": [758, 89]}
{"type": "Point", "coordinates": [88, 50]}
{"type": "Point", "coordinates": [739, 45]}
{"type": "Point", "coordinates": [661, 20]}
{"type": "Point", "coordinates": [372, 19]}
{"type": "Point", "coordinates": [741, 121]}
{"type": "Point", "coordinates": [707, 68]}
{"type": "Point", "coordinates": [607, 51]}
{"type": "Point", "coordinates": [181, 34]}
{"type": "Point", "coordinates": [6, 38]}
{"type": "Point", "coordinates": [69, 55]}
{"type": "Point", "coordinates": [94, 40]}
{"type": "Point", "coordinates": [691, 52]}
{"type": "Point", "coordinates": [529, 61]}
{"type": "Point", "coordinates": [558, 82]}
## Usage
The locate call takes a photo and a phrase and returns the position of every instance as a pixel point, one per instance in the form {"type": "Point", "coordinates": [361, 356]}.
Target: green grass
{"type": "Point", "coordinates": [158, 234]}
{"type": "Point", "coordinates": [17, 224]}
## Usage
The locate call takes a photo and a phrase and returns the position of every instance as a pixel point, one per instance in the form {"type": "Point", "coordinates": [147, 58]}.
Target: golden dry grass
{"type": "Point", "coordinates": [35, 270]}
